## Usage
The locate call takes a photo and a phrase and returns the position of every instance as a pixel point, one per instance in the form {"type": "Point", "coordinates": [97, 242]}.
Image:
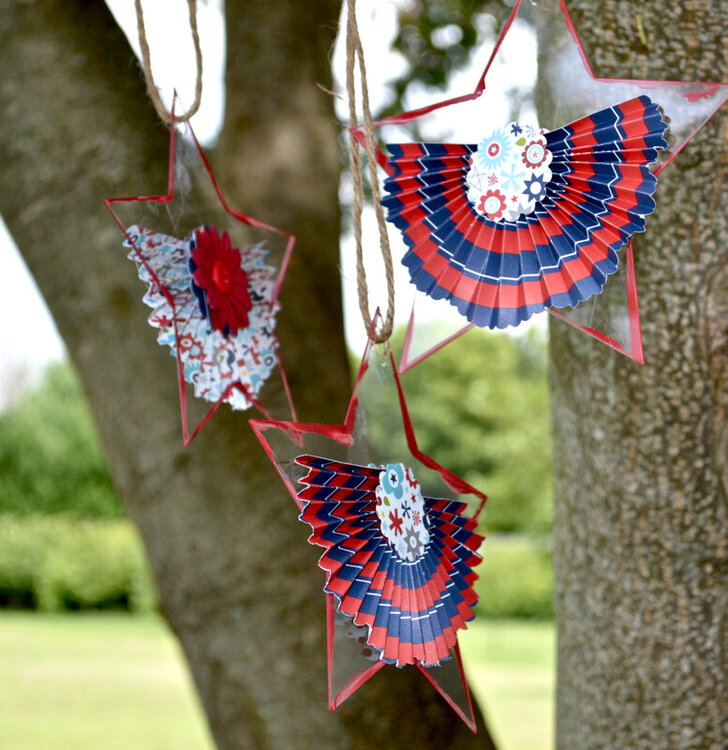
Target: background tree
{"type": "Point", "coordinates": [237, 582]}
{"type": "Point", "coordinates": [640, 550]}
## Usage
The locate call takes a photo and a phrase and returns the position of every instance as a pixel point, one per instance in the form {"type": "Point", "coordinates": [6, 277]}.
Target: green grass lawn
{"type": "Point", "coordinates": [511, 667]}
{"type": "Point", "coordinates": [115, 682]}
{"type": "Point", "coordinates": [107, 682]}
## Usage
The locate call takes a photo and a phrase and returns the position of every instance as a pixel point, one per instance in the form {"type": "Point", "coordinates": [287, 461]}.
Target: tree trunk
{"type": "Point", "coordinates": [641, 472]}
{"type": "Point", "coordinates": [237, 581]}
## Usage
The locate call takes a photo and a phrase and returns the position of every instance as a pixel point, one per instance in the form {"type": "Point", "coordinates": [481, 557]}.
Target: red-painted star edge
{"type": "Point", "coordinates": [344, 435]}
{"type": "Point", "coordinates": [168, 197]}
{"type": "Point", "coordinates": [701, 89]}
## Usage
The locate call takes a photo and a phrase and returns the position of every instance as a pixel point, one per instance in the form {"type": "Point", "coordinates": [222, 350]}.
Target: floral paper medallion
{"type": "Point", "coordinates": [402, 512]}
{"type": "Point", "coordinates": [509, 172]}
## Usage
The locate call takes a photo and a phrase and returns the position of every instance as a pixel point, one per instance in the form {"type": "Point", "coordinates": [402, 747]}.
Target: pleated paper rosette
{"type": "Point", "coordinates": [213, 276]}
{"type": "Point", "coordinates": [524, 220]}
{"type": "Point", "coordinates": [213, 356]}
{"type": "Point", "coordinates": [398, 563]}
{"type": "Point", "coordinates": [463, 207]}
{"type": "Point", "coordinates": [398, 533]}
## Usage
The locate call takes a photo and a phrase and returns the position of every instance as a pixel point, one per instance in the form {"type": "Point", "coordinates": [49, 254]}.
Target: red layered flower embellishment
{"type": "Point", "coordinates": [218, 281]}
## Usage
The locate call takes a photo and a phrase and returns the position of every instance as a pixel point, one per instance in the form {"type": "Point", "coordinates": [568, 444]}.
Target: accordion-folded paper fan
{"type": "Point", "coordinates": [398, 532]}
{"type": "Point", "coordinates": [398, 563]}
{"type": "Point", "coordinates": [213, 276]}
{"type": "Point", "coordinates": [505, 184]}
{"type": "Point", "coordinates": [524, 220]}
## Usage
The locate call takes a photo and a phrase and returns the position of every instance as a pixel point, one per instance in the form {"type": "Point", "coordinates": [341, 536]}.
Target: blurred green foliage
{"type": "Point", "coordinates": [516, 578]}
{"type": "Point", "coordinates": [50, 457]}
{"type": "Point", "coordinates": [480, 407]}
{"type": "Point", "coordinates": [58, 563]}
{"type": "Point", "coordinates": [62, 543]}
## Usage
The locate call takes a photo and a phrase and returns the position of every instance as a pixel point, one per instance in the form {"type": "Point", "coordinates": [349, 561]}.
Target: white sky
{"type": "Point", "coordinates": [28, 347]}
{"type": "Point", "coordinates": [168, 27]}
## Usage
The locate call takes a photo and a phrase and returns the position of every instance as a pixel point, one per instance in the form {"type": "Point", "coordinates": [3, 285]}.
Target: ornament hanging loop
{"type": "Point", "coordinates": [152, 89]}
{"type": "Point", "coordinates": [354, 51]}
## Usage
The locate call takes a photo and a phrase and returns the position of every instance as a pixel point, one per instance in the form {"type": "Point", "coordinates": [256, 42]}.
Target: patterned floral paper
{"type": "Point", "coordinates": [213, 357]}
{"type": "Point", "coordinates": [509, 172]}
{"type": "Point", "coordinates": [401, 511]}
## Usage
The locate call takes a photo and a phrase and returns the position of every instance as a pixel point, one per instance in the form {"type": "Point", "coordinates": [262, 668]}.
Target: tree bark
{"type": "Point", "coordinates": [641, 470]}
{"type": "Point", "coordinates": [237, 581]}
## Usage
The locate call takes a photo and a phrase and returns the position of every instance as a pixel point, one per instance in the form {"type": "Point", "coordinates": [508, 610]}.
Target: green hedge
{"type": "Point", "coordinates": [516, 578]}
{"type": "Point", "coordinates": [56, 562]}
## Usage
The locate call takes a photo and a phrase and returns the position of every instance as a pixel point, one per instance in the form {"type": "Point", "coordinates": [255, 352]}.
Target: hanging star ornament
{"type": "Point", "coordinates": [213, 277]}
{"type": "Point", "coordinates": [399, 550]}
{"type": "Point", "coordinates": [504, 217]}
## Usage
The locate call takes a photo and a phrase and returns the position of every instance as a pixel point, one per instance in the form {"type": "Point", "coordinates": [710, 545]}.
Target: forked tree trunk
{"type": "Point", "coordinates": [237, 581]}
{"type": "Point", "coordinates": [641, 531]}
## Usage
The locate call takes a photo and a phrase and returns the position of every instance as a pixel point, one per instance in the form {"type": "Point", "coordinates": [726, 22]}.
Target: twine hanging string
{"type": "Point", "coordinates": [355, 50]}
{"type": "Point", "coordinates": [162, 111]}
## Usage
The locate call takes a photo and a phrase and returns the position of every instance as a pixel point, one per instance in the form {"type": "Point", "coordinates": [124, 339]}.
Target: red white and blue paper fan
{"type": "Point", "coordinates": [399, 587]}
{"type": "Point", "coordinates": [399, 563]}
{"type": "Point", "coordinates": [525, 219]}
{"type": "Point", "coordinates": [214, 309]}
